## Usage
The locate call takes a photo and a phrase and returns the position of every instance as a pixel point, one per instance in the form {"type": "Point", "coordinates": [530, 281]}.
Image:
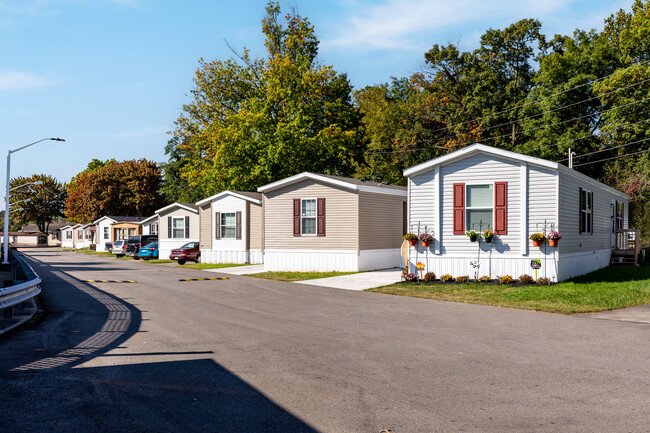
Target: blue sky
{"type": "Point", "coordinates": [111, 76]}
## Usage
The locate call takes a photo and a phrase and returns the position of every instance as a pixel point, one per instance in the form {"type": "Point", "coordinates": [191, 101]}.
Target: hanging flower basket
{"type": "Point", "coordinates": [553, 242]}
{"type": "Point", "coordinates": [413, 243]}
{"type": "Point", "coordinates": [411, 238]}
{"type": "Point", "coordinates": [473, 236]}
{"type": "Point", "coordinates": [553, 238]}
{"type": "Point", "coordinates": [537, 239]}
{"type": "Point", "coordinates": [426, 239]}
{"type": "Point", "coordinates": [488, 235]}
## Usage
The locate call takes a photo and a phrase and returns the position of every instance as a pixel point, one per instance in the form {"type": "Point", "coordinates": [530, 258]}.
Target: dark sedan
{"type": "Point", "coordinates": [189, 251]}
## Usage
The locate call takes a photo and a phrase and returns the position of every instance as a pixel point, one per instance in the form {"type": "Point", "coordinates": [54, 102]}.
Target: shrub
{"type": "Point", "coordinates": [411, 277]}
{"type": "Point", "coordinates": [525, 279]}
{"type": "Point", "coordinates": [485, 279]}
{"type": "Point", "coordinates": [410, 237]}
{"type": "Point", "coordinates": [92, 247]}
{"type": "Point", "coordinates": [543, 280]}
{"type": "Point", "coordinates": [506, 279]}
{"type": "Point", "coordinates": [446, 278]}
{"type": "Point", "coordinates": [429, 276]}
{"type": "Point", "coordinates": [462, 279]}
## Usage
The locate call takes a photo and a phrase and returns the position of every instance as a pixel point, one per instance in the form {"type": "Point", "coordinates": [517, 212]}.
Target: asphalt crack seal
{"type": "Point", "coordinates": [204, 279]}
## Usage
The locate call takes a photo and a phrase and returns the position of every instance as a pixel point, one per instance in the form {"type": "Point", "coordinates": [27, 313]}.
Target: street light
{"type": "Point", "coordinates": [5, 257]}
{"type": "Point", "coordinates": [38, 182]}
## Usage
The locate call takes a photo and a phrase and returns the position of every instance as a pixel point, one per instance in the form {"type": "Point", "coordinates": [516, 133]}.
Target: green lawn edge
{"type": "Point", "coordinates": [297, 276]}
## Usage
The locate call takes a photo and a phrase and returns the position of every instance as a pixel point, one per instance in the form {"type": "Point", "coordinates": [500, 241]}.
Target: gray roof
{"type": "Point", "coordinates": [127, 219]}
{"type": "Point", "coordinates": [364, 182]}
{"type": "Point", "coordinates": [34, 228]}
{"type": "Point", "coordinates": [254, 195]}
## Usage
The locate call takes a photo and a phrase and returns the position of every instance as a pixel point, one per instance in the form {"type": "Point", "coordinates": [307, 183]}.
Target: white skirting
{"type": "Point", "coordinates": [330, 261]}
{"type": "Point", "coordinates": [219, 256]}
{"type": "Point", "coordinates": [574, 264]}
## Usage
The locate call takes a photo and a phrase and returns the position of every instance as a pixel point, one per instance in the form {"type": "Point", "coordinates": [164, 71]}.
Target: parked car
{"type": "Point", "coordinates": [189, 251]}
{"type": "Point", "coordinates": [149, 251]}
{"type": "Point", "coordinates": [134, 243]}
{"type": "Point", "coordinates": [118, 248]}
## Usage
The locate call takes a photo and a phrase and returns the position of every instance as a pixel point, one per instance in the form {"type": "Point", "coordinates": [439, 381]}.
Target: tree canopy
{"type": "Point", "coordinates": [40, 204]}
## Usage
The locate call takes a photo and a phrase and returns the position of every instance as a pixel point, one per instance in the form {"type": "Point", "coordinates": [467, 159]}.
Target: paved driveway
{"type": "Point", "coordinates": [251, 355]}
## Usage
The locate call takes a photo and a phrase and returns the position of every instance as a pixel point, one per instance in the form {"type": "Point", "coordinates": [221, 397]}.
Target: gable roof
{"type": "Point", "coordinates": [188, 206]}
{"type": "Point", "coordinates": [52, 227]}
{"type": "Point", "coordinates": [344, 182]}
{"type": "Point", "coordinates": [482, 148]}
{"type": "Point", "coordinates": [253, 197]}
{"type": "Point", "coordinates": [151, 218]}
{"type": "Point", "coordinates": [119, 218]}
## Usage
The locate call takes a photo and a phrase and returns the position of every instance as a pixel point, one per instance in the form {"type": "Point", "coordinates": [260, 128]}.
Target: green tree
{"type": "Point", "coordinates": [129, 188]}
{"type": "Point", "coordinates": [252, 122]}
{"type": "Point", "coordinates": [39, 204]}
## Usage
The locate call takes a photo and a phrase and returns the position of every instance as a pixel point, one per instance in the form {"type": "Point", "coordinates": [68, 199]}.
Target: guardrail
{"type": "Point", "coordinates": [14, 298]}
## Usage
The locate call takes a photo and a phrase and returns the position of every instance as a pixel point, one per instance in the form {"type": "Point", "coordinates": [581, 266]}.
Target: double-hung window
{"type": "Point", "coordinates": [586, 211]}
{"type": "Point", "coordinates": [106, 236]}
{"type": "Point", "coordinates": [68, 234]}
{"type": "Point", "coordinates": [178, 227]}
{"type": "Point", "coordinates": [619, 215]}
{"type": "Point", "coordinates": [153, 229]}
{"type": "Point", "coordinates": [479, 207]}
{"type": "Point", "coordinates": [308, 216]}
{"type": "Point", "coordinates": [228, 225]}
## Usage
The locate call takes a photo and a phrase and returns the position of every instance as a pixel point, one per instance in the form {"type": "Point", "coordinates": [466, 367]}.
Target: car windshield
{"type": "Point", "coordinates": [152, 245]}
{"type": "Point", "coordinates": [189, 245]}
{"type": "Point", "coordinates": [118, 243]}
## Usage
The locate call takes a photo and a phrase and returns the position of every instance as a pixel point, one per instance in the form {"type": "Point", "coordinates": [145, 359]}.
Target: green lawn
{"type": "Point", "coordinates": [89, 252]}
{"type": "Point", "coordinates": [154, 261]}
{"type": "Point", "coordinates": [606, 289]}
{"type": "Point", "coordinates": [297, 276]}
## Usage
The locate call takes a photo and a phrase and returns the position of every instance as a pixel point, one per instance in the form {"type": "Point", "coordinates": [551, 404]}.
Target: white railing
{"type": "Point", "coordinates": [17, 294]}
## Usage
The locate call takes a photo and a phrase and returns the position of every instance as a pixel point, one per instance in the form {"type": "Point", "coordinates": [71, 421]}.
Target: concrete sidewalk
{"type": "Point", "coordinates": [239, 270]}
{"type": "Point", "coordinates": [360, 281]}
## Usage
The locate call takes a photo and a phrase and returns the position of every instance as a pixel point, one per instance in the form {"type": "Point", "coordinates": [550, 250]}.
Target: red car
{"type": "Point", "coordinates": [189, 251]}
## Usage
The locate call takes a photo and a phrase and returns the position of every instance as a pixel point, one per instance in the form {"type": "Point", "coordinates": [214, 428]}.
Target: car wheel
{"type": "Point", "coordinates": [198, 259]}
{"type": "Point", "coordinates": [181, 262]}
{"type": "Point", "coordinates": [119, 255]}
{"type": "Point", "coordinates": [134, 257]}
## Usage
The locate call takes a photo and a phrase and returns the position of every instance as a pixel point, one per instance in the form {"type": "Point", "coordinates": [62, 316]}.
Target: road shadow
{"type": "Point", "coordinates": [46, 385]}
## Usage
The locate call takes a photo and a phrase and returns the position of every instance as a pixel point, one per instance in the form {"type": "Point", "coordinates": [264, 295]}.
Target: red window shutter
{"type": "Point", "coordinates": [238, 225]}
{"type": "Point", "coordinates": [580, 218]}
{"type": "Point", "coordinates": [404, 218]}
{"type": "Point", "coordinates": [501, 208]}
{"type": "Point", "coordinates": [320, 217]}
{"type": "Point", "coordinates": [459, 208]}
{"type": "Point", "coordinates": [296, 217]}
{"type": "Point", "coordinates": [217, 225]}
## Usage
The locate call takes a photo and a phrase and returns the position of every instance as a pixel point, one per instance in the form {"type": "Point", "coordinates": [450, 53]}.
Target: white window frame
{"type": "Point", "coordinates": [233, 226]}
{"type": "Point", "coordinates": [68, 234]}
{"type": "Point", "coordinates": [619, 222]}
{"type": "Point", "coordinates": [588, 213]}
{"type": "Point", "coordinates": [153, 228]}
{"type": "Point", "coordinates": [467, 223]}
{"type": "Point", "coordinates": [107, 233]}
{"type": "Point", "coordinates": [315, 217]}
{"type": "Point", "coordinates": [182, 218]}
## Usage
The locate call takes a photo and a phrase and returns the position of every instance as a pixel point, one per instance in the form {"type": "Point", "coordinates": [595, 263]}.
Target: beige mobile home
{"type": "Point", "coordinates": [231, 227]}
{"type": "Point", "coordinates": [317, 222]}
{"type": "Point", "coordinates": [178, 225]}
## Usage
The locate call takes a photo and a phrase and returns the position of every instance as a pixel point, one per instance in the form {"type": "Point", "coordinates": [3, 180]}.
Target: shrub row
{"type": "Point", "coordinates": [506, 279]}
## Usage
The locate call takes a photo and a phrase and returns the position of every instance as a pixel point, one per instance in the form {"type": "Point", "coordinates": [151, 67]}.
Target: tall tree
{"type": "Point", "coordinates": [129, 188]}
{"type": "Point", "coordinates": [39, 204]}
{"type": "Point", "coordinates": [252, 122]}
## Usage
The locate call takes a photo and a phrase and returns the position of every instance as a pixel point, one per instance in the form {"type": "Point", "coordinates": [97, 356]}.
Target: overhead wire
{"type": "Point", "coordinates": [613, 157]}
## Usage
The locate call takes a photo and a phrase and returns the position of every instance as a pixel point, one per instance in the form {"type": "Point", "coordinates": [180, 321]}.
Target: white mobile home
{"type": "Point", "coordinates": [150, 225]}
{"type": "Point", "coordinates": [231, 227]}
{"type": "Point", "coordinates": [67, 236]}
{"type": "Point", "coordinates": [514, 195]}
{"type": "Point", "coordinates": [179, 224]}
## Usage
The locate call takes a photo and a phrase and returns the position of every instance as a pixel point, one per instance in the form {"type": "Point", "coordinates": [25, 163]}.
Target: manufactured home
{"type": "Point", "coordinates": [179, 224]}
{"type": "Point", "coordinates": [513, 195]}
{"type": "Point", "coordinates": [231, 227]}
{"type": "Point", "coordinates": [317, 222]}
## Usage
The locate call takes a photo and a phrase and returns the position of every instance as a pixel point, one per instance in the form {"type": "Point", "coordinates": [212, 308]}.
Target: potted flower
{"type": "Point", "coordinates": [537, 238]}
{"type": "Point", "coordinates": [426, 239]}
{"type": "Point", "coordinates": [553, 237]}
{"type": "Point", "coordinates": [488, 235]}
{"type": "Point", "coordinates": [411, 238]}
{"type": "Point", "coordinates": [473, 236]}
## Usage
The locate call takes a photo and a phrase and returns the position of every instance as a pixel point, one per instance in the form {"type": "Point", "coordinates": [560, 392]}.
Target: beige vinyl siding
{"type": "Point", "coordinates": [380, 221]}
{"type": "Point", "coordinates": [542, 200]}
{"type": "Point", "coordinates": [341, 220]}
{"type": "Point", "coordinates": [255, 226]}
{"type": "Point", "coordinates": [205, 223]}
{"type": "Point", "coordinates": [178, 213]}
{"type": "Point", "coordinates": [570, 215]}
{"type": "Point", "coordinates": [476, 170]}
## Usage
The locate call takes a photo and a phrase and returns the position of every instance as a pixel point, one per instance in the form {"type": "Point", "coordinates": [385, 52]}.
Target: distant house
{"type": "Point", "coordinates": [54, 229]}
{"type": "Point", "coordinates": [68, 235]}
{"type": "Point", "coordinates": [110, 228]}
{"type": "Point", "coordinates": [481, 187]}
{"type": "Point", "coordinates": [317, 222]}
{"type": "Point", "coordinates": [22, 239]}
{"type": "Point", "coordinates": [83, 236]}
{"type": "Point", "coordinates": [231, 227]}
{"type": "Point", "coordinates": [150, 225]}
{"type": "Point", "coordinates": [179, 224]}
{"type": "Point", "coordinates": [125, 226]}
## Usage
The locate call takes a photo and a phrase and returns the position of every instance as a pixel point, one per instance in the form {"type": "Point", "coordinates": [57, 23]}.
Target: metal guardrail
{"type": "Point", "coordinates": [25, 287]}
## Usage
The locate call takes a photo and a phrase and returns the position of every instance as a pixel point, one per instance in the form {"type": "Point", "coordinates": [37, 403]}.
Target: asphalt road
{"type": "Point", "coordinates": [252, 355]}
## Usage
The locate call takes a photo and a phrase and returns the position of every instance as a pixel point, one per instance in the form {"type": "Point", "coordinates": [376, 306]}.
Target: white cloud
{"type": "Point", "coordinates": [17, 80]}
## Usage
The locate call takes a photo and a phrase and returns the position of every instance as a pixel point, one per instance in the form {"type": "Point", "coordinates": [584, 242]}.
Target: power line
{"type": "Point", "coordinates": [605, 150]}
{"type": "Point", "coordinates": [613, 157]}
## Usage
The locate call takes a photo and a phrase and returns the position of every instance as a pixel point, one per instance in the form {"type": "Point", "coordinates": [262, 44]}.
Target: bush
{"type": "Point", "coordinates": [92, 247]}
{"type": "Point", "coordinates": [462, 279]}
{"type": "Point", "coordinates": [446, 278]}
{"type": "Point", "coordinates": [525, 279]}
{"type": "Point", "coordinates": [411, 277]}
{"type": "Point", "coordinates": [506, 279]}
{"type": "Point", "coordinates": [429, 276]}
{"type": "Point", "coordinates": [485, 279]}
{"type": "Point", "coordinates": [542, 280]}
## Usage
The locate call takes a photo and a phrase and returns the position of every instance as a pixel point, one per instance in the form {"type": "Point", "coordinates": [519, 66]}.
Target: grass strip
{"type": "Point", "coordinates": [297, 276]}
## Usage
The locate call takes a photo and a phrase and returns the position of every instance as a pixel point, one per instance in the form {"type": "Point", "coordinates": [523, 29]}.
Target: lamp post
{"type": "Point", "coordinates": [5, 251]}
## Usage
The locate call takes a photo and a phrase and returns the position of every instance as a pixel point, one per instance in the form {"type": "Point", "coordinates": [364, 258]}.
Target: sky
{"type": "Point", "coordinates": [111, 76]}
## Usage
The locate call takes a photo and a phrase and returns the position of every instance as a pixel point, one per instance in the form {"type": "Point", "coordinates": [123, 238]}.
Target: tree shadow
{"type": "Point", "coordinates": [616, 274]}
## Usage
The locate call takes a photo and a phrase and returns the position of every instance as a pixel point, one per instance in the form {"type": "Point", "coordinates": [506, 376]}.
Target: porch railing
{"type": "Point", "coordinates": [627, 242]}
